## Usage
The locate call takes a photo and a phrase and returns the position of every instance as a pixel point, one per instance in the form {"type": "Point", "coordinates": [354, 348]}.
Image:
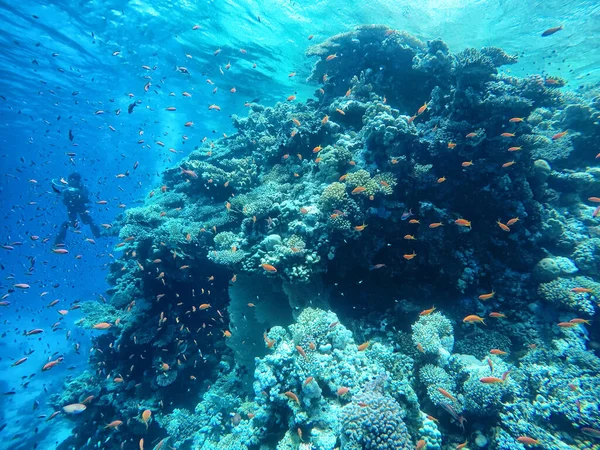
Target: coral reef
{"type": "Point", "coordinates": [267, 294]}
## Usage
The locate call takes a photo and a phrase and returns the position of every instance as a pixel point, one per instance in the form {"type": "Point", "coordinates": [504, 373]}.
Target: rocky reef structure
{"type": "Point", "coordinates": [413, 168]}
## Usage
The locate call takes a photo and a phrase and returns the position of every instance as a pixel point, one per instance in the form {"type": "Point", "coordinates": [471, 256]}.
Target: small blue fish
{"type": "Point", "coordinates": [407, 214]}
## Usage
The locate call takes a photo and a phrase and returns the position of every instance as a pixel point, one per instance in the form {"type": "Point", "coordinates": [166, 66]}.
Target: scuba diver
{"type": "Point", "coordinates": [75, 198]}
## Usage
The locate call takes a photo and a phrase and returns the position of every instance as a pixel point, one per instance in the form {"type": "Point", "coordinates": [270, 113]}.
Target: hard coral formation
{"type": "Point", "coordinates": [418, 175]}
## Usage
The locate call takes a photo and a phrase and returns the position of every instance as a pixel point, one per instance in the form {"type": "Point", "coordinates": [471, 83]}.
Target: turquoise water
{"type": "Point", "coordinates": [300, 225]}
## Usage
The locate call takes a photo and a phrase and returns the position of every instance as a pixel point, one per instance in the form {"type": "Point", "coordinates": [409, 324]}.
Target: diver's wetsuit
{"type": "Point", "coordinates": [76, 199]}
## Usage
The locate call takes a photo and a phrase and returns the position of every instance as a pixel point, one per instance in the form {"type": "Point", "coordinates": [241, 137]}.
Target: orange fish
{"type": "Point", "coordinates": [51, 364]}
{"type": "Point", "coordinates": [491, 380]}
{"type": "Point", "coordinates": [410, 237]}
{"type": "Point", "coordinates": [463, 223]}
{"type": "Point", "coordinates": [567, 324]}
{"type": "Point", "coordinates": [342, 391]}
{"type": "Point", "coordinates": [528, 440]}
{"type": "Point", "coordinates": [441, 180]}
{"type": "Point", "coordinates": [512, 221]}
{"type": "Point", "coordinates": [114, 424]}
{"type": "Point", "coordinates": [317, 149]}
{"type": "Point", "coordinates": [508, 164]}
{"type": "Point", "coordinates": [514, 149]}
{"type": "Point", "coordinates": [495, 351]}
{"type": "Point", "coordinates": [340, 111]}
{"type": "Point", "coordinates": [594, 199]}
{"type": "Point", "coordinates": [487, 296]}
{"type": "Point", "coordinates": [409, 256]}
{"type": "Point", "coordinates": [291, 98]}
{"type": "Point", "coordinates": [467, 163]}
{"type": "Point", "coordinates": [330, 57]}
{"type": "Point", "coordinates": [471, 135]}
{"type": "Point", "coordinates": [451, 144]}
{"type": "Point", "coordinates": [580, 321]}
{"type": "Point", "coordinates": [308, 381]}
{"type": "Point", "coordinates": [421, 444]}
{"type": "Point", "coordinates": [360, 227]}
{"type": "Point", "coordinates": [364, 346]}
{"type": "Point", "coordinates": [559, 135]}
{"type": "Point", "coordinates": [581, 290]}
{"type": "Point", "coordinates": [447, 394]}
{"type": "Point", "coordinates": [269, 268]}
{"type": "Point", "coordinates": [204, 306]}
{"type": "Point", "coordinates": [422, 109]}
{"type": "Point", "coordinates": [504, 227]}
{"type": "Point", "coordinates": [102, 326]}
{"type": "Point", "coordinates": [516, 119]}
{"type": "Point", "coordinates": [508, 135]}
{"type": "Point", "coordinates": [325, 120]}
{"type": "Point", "coordinates": [497, 315]}
{"type": "Point", "coordinates": [426, 312]}
{"type": "Point", "coordinates": [472, 319]}
{"type": "Point", "coordinates": [436, 225]}
{"type": "Point", "coordinates": [358, 190]}
{"type": "Point", "coordinates": [301, 351]}
{"type": "Point", "coordinates": [292, 396]}
{"type": "Point", "coordinates": [413, 221]}
{"type": "Point", "coordinates": [420, 348]}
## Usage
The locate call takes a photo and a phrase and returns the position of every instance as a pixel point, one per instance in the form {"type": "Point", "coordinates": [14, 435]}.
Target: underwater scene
{"type": "Point", "coordinates": [290, 225]}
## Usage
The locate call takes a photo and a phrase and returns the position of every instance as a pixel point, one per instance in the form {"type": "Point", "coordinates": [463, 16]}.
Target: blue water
{"type": "Point", "coordinates": [68, 67]}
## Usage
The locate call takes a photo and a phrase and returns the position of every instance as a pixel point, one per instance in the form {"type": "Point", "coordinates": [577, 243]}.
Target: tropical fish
{"type": "Point", "coordinates": [450, 410]}
{"type": "Point", "coordinates": [426, 312]}
{"type": "Point", "coordinates": [362, 347]}
{"type": "Point", "coordinates": [551, 31]}
{"type": "Point", "coordinates": [74, 408]}
{"type": "Point", "coordinates": [409, 256]}
{"type": "Point", "coordinates": [446, 394]}
{"type": "Point", "coordinates": [115, 424]}
{"type": "Point", "coordinates": [528, 440]}
{"type": "Point", "coordinates": [496, 351]}
{"type": "Point", "coordinates": [406, 214]}
{"type": "Point", "coordinates": [473, 319]}
{"type": "Point", "coordinates": [292, 396]}
{"type": "Point", "coordinates": [269, 268]}
{"type": "Point", "coordinates": [491, 380]}
{"type": "Point", "coordinates": [502, 226]}
{"type": "Point", "coordinates": [487, 296]}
